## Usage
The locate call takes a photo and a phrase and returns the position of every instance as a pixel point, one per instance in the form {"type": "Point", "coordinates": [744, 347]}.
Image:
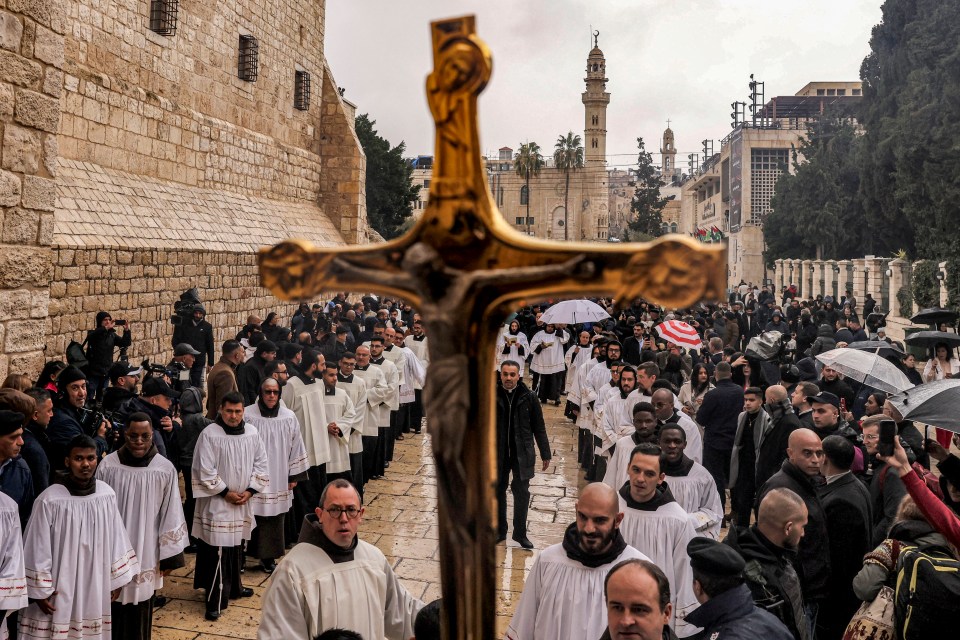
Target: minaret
{"type": "Point", "coordinates": [669, 153]}
{"type": "Point", "coordinates": [595, 101]}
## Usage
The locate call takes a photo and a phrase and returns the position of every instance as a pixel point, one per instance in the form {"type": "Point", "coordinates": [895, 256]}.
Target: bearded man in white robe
{"type": "Point", "coordinates": [655, 525]}
{"type": "Point", "coordinates": [148, 496]}
{"type": "Point", "coordinates": [332, 579]}
{"type": "Point", "coordinates": [286, 467]}
{"type": "Point", "coordinates": [563, 595]}
{"type": "Point", "coordinates": [229, 467]}
{"type": "Point", "coordinates": [76, 552]}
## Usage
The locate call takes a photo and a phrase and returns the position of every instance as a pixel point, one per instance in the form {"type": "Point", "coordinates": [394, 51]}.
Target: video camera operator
{"type": "Point", "coordinates": [195, 331]}
{"type": "Point", "coordinates": [156, 400]}
{"type": "Point", "coordinates": [100, 345]}
{"type": "Point", "coordinates": [71, 418]}
{"type": "Point", "coordinates": [179, 369]}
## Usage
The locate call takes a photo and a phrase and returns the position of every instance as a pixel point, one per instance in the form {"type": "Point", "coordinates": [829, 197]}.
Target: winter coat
{"type": "Point", "coordinates": [825, 341]}
{"type": "Point", "coordinates": [17, 482]}
{"type": "Point", "coordinates": [519, 423]}
{"type": "Point", "coordinates": [198, 335]}
{"type": "Point", "coordinates": [886, 493]}
{"type": "Point", "coordinates": [732, 615]}
{"type": "Point", "coordinates": [100, 345]}
{"type": "Point", "coordinates": [36, 453]}
{"type": "Point", "coordinates": [65, 426]}
{"type": "Point", "coordinates": [718, 415]}
{"type": "Point", "coordinates": [813, 564]}
{"type": "Point", "coordinates": [221, 380]}
{"type": "Point", "coordinates": [191, 413]}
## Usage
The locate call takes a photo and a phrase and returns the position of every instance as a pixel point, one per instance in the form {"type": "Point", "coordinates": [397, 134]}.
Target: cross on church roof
{"type": "Point", "coordinates": [668, 123]}
{"type": "Point", "coordinates": [464, 268]}
{"type": "Point", "coordinates": [596, 34]}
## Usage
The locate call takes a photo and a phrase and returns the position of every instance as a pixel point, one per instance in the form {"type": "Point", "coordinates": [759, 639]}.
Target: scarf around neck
{"type": "Point", "coordinates": [128, 459]}
{"type": "Point", "coordinates": [76, 488]}
{"type": "Point", "coordinates": [571, 545]}
{"type": "Point", "coordinates": [660, 497]}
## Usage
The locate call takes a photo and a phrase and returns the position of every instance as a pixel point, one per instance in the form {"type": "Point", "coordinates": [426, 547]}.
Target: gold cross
{"type": "Point", "coordinates": [464, 268]}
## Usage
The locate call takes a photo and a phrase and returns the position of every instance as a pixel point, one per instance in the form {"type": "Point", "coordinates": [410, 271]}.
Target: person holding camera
{"type": "Point", "coordinates": [184, 358]}
{"type": "Point", "coordinates": [198, 333]}
{"type": "Point", "coordinates": [100, 345]}
{"type": "Point", "coordinates": [69, 416]}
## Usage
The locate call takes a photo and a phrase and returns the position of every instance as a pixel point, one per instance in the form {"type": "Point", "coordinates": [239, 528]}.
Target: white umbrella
{"type": "Point", "coordinates": [574, 312]}
{"type": "Point", "coordinates": [866, 367]}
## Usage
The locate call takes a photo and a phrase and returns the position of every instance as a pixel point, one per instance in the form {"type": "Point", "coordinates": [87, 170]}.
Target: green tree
{"type": "Point", "coordinates": [527, 162]}
{"type": "Point", "coordinates": [567, 156]}
{"type": "Point", "coordinates": [817, 209]}
{"type": "Point", "coordinates": [647, 205]}
{"type": "Point", "coordinates": [911, 114]}
{"type": "Point", "coordinates": [390, 188]}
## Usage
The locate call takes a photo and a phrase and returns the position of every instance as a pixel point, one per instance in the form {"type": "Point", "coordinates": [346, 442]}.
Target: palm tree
{"type": "Point", "coordinates": [568, 156]}
{"type": "Point", "coordinates": [528, 162]}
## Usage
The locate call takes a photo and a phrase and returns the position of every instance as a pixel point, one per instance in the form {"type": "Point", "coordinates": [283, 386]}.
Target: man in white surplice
{"type": "Point", "coordinates": [378, 398]}
{"type": "Point", "coordinates": [13, 581]}
{"type": "Point", "coordinates": [690, 483]}
{"type": "Point", "coordinates": [356, 389]}
{"type": "Point", "coordinates": [229, 467]}
{"type": "Point", "coordinates": [657, 526]}
{"type": "Point", "coordinates": [332, 579]}
{"type": "Point", "coordinates": [286, 466]}
{"type": "Point", "coordinates": [340, 416]}
{"type": "Point", "coordinates": [76, 552]}
{"type": "Point", "coordinates": [148, 496]}
{"type": "Point", "coordinates": [547, 363]}
{"type": "Point", "coordinates": [563, 595]}
{"type": "Point", "coordinates": [668, 412]}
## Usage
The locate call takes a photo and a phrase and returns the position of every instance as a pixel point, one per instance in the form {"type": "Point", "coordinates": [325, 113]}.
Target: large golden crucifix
{"type": "Point", "coordinates": [464, 268]}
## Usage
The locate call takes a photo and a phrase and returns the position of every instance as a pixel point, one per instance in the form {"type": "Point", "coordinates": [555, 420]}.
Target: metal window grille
{"type": "Point", "coordinates": [248, 60]}
{"type": "Point", "coordinates": [301, 91]}
{"type": "Point", "coordinates": [163, 16]}
{"type": "Point", "coordinates": [766, 167]}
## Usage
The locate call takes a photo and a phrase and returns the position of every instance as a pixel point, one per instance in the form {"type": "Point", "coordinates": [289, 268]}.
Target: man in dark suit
{"type": "Point", "coordinates": [846, 503]}
{"type": "Point", "coordinates": [718, 416]}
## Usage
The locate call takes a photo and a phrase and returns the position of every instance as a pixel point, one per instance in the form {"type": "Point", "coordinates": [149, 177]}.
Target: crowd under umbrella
{"type": "Point", "coordinates": [574, 312]}
{"type": "Point", "coordinates": [935, 404]}
{"type": "Point", "coordinates": [935, 316]}
{"type": "Point", "coordinates": [930, 339]}
{"type": "Point", "coordinates": [869, 369]}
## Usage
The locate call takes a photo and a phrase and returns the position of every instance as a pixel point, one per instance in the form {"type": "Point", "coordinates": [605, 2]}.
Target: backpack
{"type": "Point", "coordinates": [76, 355]}
{"type": "Point", "coordinates": [927, 594]}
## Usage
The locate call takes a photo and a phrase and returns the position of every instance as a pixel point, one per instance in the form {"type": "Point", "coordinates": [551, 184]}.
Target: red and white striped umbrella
{"type": "Point", "coordinates": [680, 333]}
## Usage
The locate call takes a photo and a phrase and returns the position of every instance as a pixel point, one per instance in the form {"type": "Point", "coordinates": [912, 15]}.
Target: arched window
{"type": "Point", "coordinates": [524, 195]}
{"type": "Point", "coordinates": [594, 143]}
{"type": "Point", "coordinates": [673, 227]}
{"type": "Point", "coordinates": [664, 228]}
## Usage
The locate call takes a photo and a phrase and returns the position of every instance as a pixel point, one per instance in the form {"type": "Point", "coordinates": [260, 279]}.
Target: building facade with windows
{"type": "Point", "coordinates": [731, 191]}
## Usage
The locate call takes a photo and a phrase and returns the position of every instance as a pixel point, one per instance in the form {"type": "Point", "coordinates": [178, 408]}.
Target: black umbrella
{"type": "Point", "coordinates": [935, 316]}
{"type": "Point", "coordinates": [930, 338]}
{"type": "Point", "coordinates": [880, 347]}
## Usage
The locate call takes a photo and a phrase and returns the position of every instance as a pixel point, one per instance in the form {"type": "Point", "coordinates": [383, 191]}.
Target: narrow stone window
{"type": "Point", "coordinates": [248, 59]}
{"type": "Point", "coordinates": [163, 16]}
{"type": "Point", "coordinates": [301, 91]}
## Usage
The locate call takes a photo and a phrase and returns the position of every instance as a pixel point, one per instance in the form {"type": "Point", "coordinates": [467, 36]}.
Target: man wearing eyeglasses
{"type": "Point", "coordinates": [148, 496]}
{"type": "Point", "coordinates": [332, 579]}
{"type": "Point", "coordinates": [286, 466]}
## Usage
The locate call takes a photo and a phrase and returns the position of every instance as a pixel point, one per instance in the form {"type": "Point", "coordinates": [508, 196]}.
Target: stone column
{"type": "Point", "coordinates": [806, 277]}
{"type": "Point", "coordinates": [31, 81]}
{"type": "Point", "coordinates": [778, 274]}
{"type": "Point", "coordinates": [875, 268]}
{"type": "Point", "coordinates": [820, 279]}
{"type": "Point", "coordinates": [897, 280]}
{"type": "Point", "coordinates": [858, 282]}
{"type": "Point", "coordinates": [843, 278]}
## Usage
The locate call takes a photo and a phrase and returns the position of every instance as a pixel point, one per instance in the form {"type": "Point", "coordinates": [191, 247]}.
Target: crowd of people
{"type": "Point", "coordinates": [277, 438]}
{"type": "Point", "coordinates": [779, 451]}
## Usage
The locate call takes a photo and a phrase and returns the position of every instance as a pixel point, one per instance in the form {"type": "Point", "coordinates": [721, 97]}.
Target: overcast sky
{"type": "Point", "coordinates": [685, 60]}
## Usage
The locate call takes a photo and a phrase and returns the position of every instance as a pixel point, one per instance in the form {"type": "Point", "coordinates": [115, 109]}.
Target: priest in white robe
{"type": "Point", "coordinates": [644, 430]}
{"type": "Point", "coordinates": [617, 420]}
{"type": "Point", "coordinates": [669, 411]}
{"type": "Point", "coordinates": [574, 357]}
{"type": "Point", "coordinates": [513, 345]}
{"type": "Point", "coordinates": [414, 377]}
{"type": "Point", "coordinates": [76, 553]}
{"type": "Point", "coordinates": [547, 363]}
{"type": "Point", "coordinates": [332, 579]}
{"type": "Point", "coordinates": [340, 418]}
{"type": "Point", "coordinates": [378, 396]}
{"type": "Point", "coordinates": [563, 594]}
{"type": "Point", "coordinates": [388, 411]}
{"type": "Point", "coordinates": [580, 396]}
{"type": "Point", "coordinates": [148, 496]}
{"type": "Point", "coordinates": [690, 483]}
{"type": "Point", "coordinates": [229, 467]}
{"type": "Point", "coordinates": [286, 466]}
{"type": "Point", "coordinates": [419, 345]}
{"type": "Point", "coordinates": [655, 525]}
{"type": "Point", "coordinates": [356, 389]}
{"type": "Point", "coordinates": [13, 581]}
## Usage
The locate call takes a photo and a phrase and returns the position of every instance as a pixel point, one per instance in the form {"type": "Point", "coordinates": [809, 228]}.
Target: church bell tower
{"type": "Point", "coordinates": [595, 101]}
{"type": "Point", "coordinates": [668, 152]}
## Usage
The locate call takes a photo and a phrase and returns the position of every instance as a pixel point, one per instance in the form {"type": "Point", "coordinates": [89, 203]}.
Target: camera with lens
{"type": "Point", "coordinates": [92, 418]}
{"type": "Point", "coordinates": [158, 370]}
{"type": "Point", "coordinates": [184, 308]}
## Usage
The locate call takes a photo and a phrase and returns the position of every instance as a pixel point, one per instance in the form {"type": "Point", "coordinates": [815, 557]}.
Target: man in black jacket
{"type": "Point", "coordinates": [718, 416]}
{"type": "Point", "coordinates": [846, 504]}
{"type": "Point", "coordinates": [65, 425]}
{"type": "Point", "coordinates": [801, 474]}
{"type": "Point", "coordinates": [123, 386]}
{"type": "Point", "coordinates": [198, 333]}
{"type": "Point", "coordinates": [519, 423]}
{"type": "Point", "coordinates": [100, 345]}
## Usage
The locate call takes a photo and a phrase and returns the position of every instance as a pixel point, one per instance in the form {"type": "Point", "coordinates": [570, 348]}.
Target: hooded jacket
{"type": "Point", "coordinates": [826, 341]}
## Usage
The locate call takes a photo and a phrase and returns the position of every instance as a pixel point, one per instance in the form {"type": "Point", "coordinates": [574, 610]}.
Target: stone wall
{"type": "Point", "coordinates": [31, 58]}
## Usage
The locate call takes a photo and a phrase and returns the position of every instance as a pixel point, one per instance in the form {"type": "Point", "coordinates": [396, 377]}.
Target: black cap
{"type": "Point", "coordinates": [158, 387]}
{"type": "Point", "coordinates": [266, 346]}
{"type": "Point", "coordinates": [184, 349]}
{"type": "Point", "coordinates": [68, 375]}
{"type": "Point", "coordinates": [714, 558]}
{"type": "Point", "coordinates": [824, 397]}
{"type": "Point", "coordinates": [120, 369]}
{"type": "Point", "coordinates": [10, 421]}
